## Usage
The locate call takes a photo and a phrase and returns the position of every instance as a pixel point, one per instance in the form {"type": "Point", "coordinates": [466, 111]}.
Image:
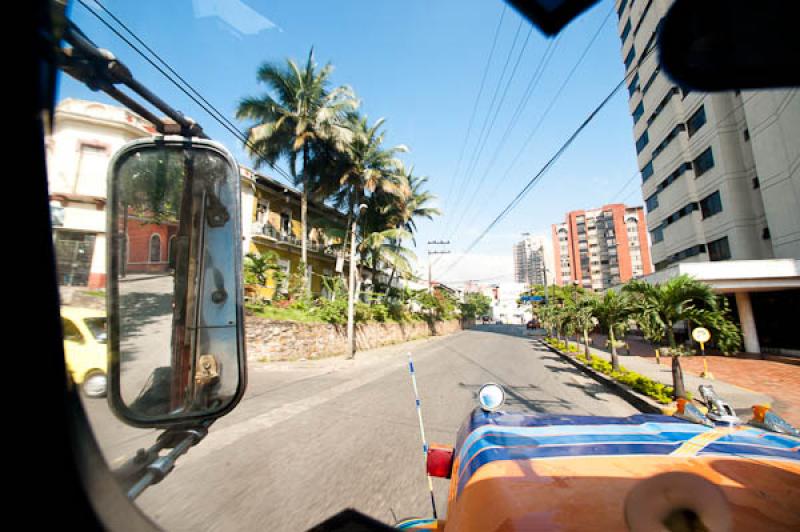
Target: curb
{"type": "Point", "coordinates": [637, 400]}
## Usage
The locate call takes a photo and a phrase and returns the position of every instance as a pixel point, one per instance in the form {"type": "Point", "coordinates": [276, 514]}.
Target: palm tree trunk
{"type": "Point", "coordinates": [586, 342]}
{"type": "Point", "coordinates": [677, 372]}
{"type": "Point", "coordinates": [614, 357]}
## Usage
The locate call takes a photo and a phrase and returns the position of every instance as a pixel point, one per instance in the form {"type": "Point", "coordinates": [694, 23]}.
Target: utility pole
{"type": "Point", "coordinates": [434, 252]}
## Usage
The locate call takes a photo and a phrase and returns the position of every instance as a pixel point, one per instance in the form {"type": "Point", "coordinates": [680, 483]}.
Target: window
{"type": "Point", "coordinates": [622, 5]}
{"type": "Point", "coordinates": [704, 162]}
{"type": "Point", "coordinates": [671, 178]}
{"type": "Point", "coordinates": [765, 235]}
{"type": "Point", "coordinates": [642, 142]}
{"type": "Point", "coordinates": [171, 251]}
{"type": "Point", "coordinates": [92, 165]}
{"type": "Point", "coordinates": [662, 105]}
{"type": "Point", "coordinates": [155, 248]}
{"type": "Point", "coordinates": [642, 17]}
{"type": "Point", "coordinates": [652, 79]}
{"type": "Point", "coordinates": [626, 30]}
{"type": "Point", "coordinates": [634, 84]}
{"type": "Point", "coordinates": [97, 326]}
{"type": "Point", "coordinates": [669, 138]}
{"type": "Point", "coordinates": [647, 171]}
{"type": "Point", "coordinates": [746, 135]}
{"type": "Point", "coordinates": [638, 112]}
{"type": "Point", "coordinates": [711, 205]}
{"type": "Point", "coordinates": [719, 249]}
{"type": "Point", "coordinates": [696, 121]}
{"type": "Point", "coordinates": [71, 332]}
{"type": "Point", "coordinates": [630, 57]}
{"type": "Point", "coordinates": [657, 234]}
{"type": "Point", "coordinates": [286, 223]}
{"type": "Point", "coordinates": [652, 203]}
{"type": "Point", "coordinates": [756, 183]}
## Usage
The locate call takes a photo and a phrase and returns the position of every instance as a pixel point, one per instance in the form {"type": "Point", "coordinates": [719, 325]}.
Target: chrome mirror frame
{"type": "Point", "coordinates": [114, 241]}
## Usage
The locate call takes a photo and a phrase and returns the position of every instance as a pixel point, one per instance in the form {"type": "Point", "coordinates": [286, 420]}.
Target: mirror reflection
{"type": "Point", "coordinates": [175, 263]}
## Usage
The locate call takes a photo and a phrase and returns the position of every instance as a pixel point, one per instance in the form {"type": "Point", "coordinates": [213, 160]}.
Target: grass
{"type": "Point", "coordinates": [94, 293]}
{"type": "Point", "coordinates": [283, 314]}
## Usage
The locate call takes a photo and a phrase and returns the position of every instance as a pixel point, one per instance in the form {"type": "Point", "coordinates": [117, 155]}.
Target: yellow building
{"type": "Point", "coordinates": [271, 221]}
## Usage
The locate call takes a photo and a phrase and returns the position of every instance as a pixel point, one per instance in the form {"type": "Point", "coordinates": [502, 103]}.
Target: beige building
{"type": "Point", "coordinates": [533, 261]}
{"type": "Point", "coordinates": [720, 171]}
{"type": "Point", "coordinates": [85, 136]}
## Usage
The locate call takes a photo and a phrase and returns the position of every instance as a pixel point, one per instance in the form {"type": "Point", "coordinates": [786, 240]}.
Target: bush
{"type": "Point", "coordinates": [644, 385]}
{"type": "Point", "coordinates": [399, 312]}
{"type": "Point", "coordinates": [362, 312]}
{"type": "Point", "coordinates": [334, 312]}
{"type": "Point", "coordinates": [380, 312]}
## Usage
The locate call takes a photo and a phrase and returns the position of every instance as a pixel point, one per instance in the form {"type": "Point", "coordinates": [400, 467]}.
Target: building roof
{"type": "Point", "coordinates": [270, 183]}
{"type": "Point", "coordinates": [736, 275]}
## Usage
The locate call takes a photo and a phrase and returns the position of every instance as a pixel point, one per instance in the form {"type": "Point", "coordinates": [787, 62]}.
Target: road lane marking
{"type": "Point", "coordinates": [217, 440]}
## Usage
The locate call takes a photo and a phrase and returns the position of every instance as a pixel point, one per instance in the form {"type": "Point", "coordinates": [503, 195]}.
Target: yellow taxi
{"type": "Point", "coordinates": [85, 348]}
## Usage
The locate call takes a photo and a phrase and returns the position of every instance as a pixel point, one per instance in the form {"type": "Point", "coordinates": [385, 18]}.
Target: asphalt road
{"type": "Point", "coordinates": [312, 438]}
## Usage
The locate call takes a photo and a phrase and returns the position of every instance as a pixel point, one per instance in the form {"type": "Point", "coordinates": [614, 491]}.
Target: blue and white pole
{"type": "Point", "coordinates": [422, 431]}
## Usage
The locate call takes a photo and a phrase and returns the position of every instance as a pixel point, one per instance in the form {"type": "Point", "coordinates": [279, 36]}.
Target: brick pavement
{"type": "Point", "coordinates": [776, 376]}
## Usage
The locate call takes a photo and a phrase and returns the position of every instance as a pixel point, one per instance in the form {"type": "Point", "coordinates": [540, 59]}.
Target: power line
{"type": "Point", "coordinates": [515, 117]}
{"type": "Point", "coordinates": [212, 111]}
{"type": "Point", "coordinates": [470, 165]}
{"type": "Point", "coordinates": [477, 100]}
{"type": "Point", "coordinates": [502, 101]}
{"type": "Point", "coordinates": [514, 202]}
{"type": "Point", "coordinates": [549, 107]}
{"type": "Point", "coordinates": [628, 182]}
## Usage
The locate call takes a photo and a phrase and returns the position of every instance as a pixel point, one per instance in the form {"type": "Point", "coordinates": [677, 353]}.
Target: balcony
{"type": "Point", "coordinates": [267, 231]}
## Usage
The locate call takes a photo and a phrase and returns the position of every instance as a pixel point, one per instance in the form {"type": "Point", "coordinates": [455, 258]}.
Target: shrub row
{"type": "Point", "coordinates": [644, 385]}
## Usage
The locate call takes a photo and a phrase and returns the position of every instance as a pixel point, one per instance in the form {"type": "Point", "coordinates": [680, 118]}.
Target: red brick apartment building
{"type": "Point", "coordinates": [603, 247]}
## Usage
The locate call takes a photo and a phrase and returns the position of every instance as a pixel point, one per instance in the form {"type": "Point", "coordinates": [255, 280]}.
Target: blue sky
{"type": "Point", "coordinates": [418, 64]}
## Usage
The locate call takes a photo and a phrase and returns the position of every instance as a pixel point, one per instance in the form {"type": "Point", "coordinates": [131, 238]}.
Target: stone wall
{"type": "Point", "coordinates": [269, 340]}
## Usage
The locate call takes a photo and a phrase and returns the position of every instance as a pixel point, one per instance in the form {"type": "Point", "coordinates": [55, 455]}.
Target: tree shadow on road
{"type": "Point", "coordinates": [515, 397]}
{"type": "Point", "coordinates": [593, 390]}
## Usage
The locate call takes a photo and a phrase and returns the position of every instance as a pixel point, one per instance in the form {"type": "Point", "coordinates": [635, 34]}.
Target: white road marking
{"type": "Point", "coordinates": [230, 434]}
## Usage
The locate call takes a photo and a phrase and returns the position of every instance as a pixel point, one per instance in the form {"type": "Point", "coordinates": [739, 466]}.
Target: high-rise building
{"type": "Point", "coordinates": [531, 260]}
{"type": "Point", "coordinates": [600, 248]}
{"type": "Point", "coordinates": [720, 171]}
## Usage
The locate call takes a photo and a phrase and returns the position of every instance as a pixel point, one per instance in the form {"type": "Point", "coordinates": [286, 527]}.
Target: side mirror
{"type": "Point", "coordinates": [174, 296]}
{"type": "Point", "coordinates": [718, 45]}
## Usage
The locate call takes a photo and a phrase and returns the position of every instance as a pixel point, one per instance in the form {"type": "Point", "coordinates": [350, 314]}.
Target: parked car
{"type": "Point", "coordinates": [85, 348]}
{"type": "Point", "coordinates": [532, 324]}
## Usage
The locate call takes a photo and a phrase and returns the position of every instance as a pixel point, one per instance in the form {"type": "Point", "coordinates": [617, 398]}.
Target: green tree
{"type": "Point", "coordinates": [300, 115]}
{"type": "Point", "coordinates": [613, 312]}
{"type": "Point", "coordinates": [661, 306]}
{"type": "Point", "coordinates": [475, 305]}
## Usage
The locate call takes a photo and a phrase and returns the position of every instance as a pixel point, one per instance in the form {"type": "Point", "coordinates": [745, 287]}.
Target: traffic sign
{"type": "Point", "coordinates": [532, 298]}
{"type": "Point", "coordinates": [701, 335]}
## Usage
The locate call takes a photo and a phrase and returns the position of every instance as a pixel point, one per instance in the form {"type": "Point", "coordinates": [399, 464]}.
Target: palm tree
{"type": "Point", "coordinates": [583, 316]}
{"type": "Point", "coordinates": [301, 114]}
{"type": "Point", "coordinates": [613, 311]}
{"type": "Point", "coordinates": [364, 167]}
{"type": "Point", "coordinates": [408, 204]}
{"type": "Point", "coordinates": [661, 306]}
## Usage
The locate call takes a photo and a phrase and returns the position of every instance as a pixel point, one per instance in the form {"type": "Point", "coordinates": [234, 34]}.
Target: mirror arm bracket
{"type": "Point", "coordinates": [148, 467]}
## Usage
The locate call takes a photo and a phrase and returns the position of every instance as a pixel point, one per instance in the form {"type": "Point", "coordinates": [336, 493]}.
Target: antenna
{"type": "Point", "coordinates": [422, 431]}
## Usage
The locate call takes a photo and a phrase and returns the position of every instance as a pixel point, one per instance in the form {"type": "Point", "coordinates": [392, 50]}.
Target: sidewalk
{"type": "Point", "coordinates": [742, 381]}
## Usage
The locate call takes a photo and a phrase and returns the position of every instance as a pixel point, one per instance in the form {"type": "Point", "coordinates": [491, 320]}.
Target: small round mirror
{"type": "Point", "coordinates": [491, 397]}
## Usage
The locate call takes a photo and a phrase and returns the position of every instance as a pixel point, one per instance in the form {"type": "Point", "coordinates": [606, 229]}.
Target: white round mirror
{"type": "Point", "coordinates": [491, 397]}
